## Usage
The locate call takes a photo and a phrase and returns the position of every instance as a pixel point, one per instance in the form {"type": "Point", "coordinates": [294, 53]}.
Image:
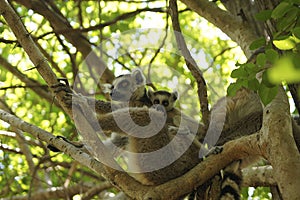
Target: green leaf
{"type": "Point", "coordinates": [263, 15]}
{"type": "Point", "coordinates": [232, 89]}
{"type": "Point", "coordinates": [266, 81]}
{"type": "Point", "coordinates": [296, 32]}
{"type": "Point", "coordinates": [280, 10]}
{"type": "Point", "coordinates": [296, 61]}
{"type": "Point", "coordinates": [253, 84]}
{"type": "Point", "coordinates": [272, 55]}
{"type": "Point", "coordinates": [286, 23]}
{"type": "Point", "coordinates": [252, 69]}
{"type": "Point", "coordinates": [286, 44]}
{"type": "Point", "coordinates": [267, 94]}
{"type": "Point", "coordinates": [257, 43]}
{"type": "Point", "coordinates": [261, 59]}
{"type": "Point", "coordinates": [285, 70]}
{"type": "Point", "coordinates": [238, 73]}
{"type": "Point", "coordinates": [278, 36]}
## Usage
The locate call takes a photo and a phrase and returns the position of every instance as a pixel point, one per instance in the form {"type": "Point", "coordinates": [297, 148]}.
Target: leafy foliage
{"type": "Point", "coordinates": [281, 54]}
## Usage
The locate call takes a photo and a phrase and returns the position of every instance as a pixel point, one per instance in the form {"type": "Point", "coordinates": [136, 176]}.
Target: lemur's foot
{"type": "Point", "coordinates": [215, 150]}
{"type": "Point", "coordinates": [62, 86]}
{"type": "Point", "coordinates": [204, 152]}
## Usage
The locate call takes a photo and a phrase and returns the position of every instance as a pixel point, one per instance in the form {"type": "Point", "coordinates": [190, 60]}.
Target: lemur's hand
{"type": "Point", "coordinates": [159, 108]}
{"type": "Point", "coordinates": [63, 85]}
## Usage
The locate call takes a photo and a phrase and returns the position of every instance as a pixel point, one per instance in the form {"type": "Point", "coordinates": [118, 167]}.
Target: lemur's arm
{"type": "Point", "coordinates": [100, 106]}
{"type": "Point", "coordinates": [131, 119]}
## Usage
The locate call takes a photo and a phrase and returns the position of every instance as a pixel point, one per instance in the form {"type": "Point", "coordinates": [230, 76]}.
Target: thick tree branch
{"type": "Point", "coordinates": [281, 149]}
{"type": "Point", "coordinates": [237, 29]}
{"type": "Point", "coordinates": [233, 150]}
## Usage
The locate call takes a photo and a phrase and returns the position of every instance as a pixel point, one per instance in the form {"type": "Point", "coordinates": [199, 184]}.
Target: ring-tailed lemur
{"type": "Point", "coordinates": [126, 90]}
{"type": "Point", "coordinates": [174, 116]}
{"type": "Point", "coordinates": [163, 98]}
{"type": "Point", "coordinates": [130, 88]}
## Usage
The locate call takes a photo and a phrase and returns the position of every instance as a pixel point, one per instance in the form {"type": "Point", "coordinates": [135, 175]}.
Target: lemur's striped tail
{"type": "Point", "coordinates": [231, 182]}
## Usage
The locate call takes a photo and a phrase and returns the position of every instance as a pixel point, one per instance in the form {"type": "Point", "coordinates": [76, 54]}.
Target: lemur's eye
{"type": "Point", "coordinates": [156, 101]}
{"type": "Point", "coordinates": [124, 84]}
{"type": "Point", "coordinates": [165, 103]}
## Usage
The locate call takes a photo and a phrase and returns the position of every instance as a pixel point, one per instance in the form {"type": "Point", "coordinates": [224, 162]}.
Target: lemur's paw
{"type": "Point", "coordinates": [60, 86]}
{"type": "Point", "coordinates": [179, 130]}
{"type": "Point", "coordinates": [215, 150]}
{"type": "Point", "coordinates": [159, 108]}
{"type": "Point", "coordinates": [74, 99]}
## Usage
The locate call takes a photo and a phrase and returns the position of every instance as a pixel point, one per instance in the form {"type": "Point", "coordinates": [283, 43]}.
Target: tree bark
{"type": "Point", "coordinates": [281, 149]}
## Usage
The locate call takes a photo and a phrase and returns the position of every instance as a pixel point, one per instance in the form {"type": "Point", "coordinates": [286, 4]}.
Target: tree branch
{"type": "Point", "coordinates": [190, 62]}
{"type": "Point", "coordinates": [281, 149]}
{"type": "Point", "coordinates": [233, 26]}
{"type": "Point", "coordinates": [53, 193]}
{"type": "Point", "coordinates": [35, 86]}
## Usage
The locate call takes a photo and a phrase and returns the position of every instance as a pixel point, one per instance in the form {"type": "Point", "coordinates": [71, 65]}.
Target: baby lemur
{"type": "Point", "coordinates": [164, 98]}
{"type": "Point", "coordinates": [175, 117]}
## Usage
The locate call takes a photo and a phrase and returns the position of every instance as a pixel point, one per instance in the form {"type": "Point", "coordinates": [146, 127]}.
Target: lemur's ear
{"type": "Point", "coordinates": [138, 76]}
{"type": "Point", "coordinates": [150, 93]}
{"type": "Point", "coordinates": [175, 95]}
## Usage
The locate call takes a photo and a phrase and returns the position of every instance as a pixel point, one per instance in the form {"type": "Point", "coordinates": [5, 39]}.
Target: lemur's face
{"type": "Point", "coordinates": [163, 98]}
{"type": "Point", "coordinates": [128, 86]}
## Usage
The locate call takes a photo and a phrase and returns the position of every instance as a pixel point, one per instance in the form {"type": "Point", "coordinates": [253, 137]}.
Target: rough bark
{"type": "Point", "coordinates": [281, 149]}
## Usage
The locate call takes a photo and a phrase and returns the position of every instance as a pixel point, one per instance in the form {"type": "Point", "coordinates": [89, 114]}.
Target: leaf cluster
{"type": "Point", "coordinates": [277, 57]}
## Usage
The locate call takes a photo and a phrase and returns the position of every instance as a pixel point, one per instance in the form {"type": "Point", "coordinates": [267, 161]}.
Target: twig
{"type": "Point", "coordinates": [190, 62]}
